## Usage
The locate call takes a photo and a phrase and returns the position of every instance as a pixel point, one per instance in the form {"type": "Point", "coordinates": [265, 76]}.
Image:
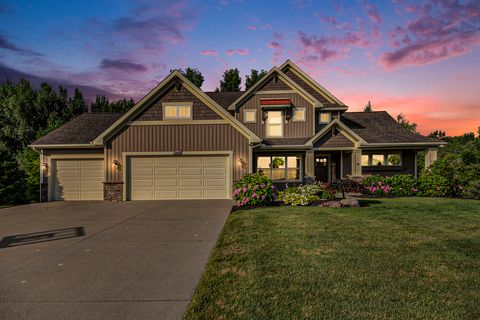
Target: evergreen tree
{"type": "Point", "coordinates": [253, 78]}
{"type": "Point", "coordinates": [231, 81]}
{"type": "Point", "coordinates": [410, 126]}
{"type": "Point", "coordinates": [368, 107]}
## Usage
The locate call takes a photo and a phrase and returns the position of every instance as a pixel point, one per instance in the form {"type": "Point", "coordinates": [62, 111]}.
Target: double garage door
{"type": "Point", "coordinates": [184, 177]}
{"type": "Point", "coordinates": [77, 179]}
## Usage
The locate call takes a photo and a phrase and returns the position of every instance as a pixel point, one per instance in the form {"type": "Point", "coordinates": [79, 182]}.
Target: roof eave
{"type": "Point", "coordinates": [66, 146]}
{"type": "Point", "coordinates": [379, 145]}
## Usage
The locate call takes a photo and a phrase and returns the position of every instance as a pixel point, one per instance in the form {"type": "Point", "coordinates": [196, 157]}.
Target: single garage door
{"type": "Point", "coordinates": [78, 179]}
{"type": "Point", "coordinates": [184, 177]}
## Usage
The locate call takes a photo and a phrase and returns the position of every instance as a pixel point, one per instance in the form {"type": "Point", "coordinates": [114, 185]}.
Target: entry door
{"type": "Point", "coordinates": [322, 164]}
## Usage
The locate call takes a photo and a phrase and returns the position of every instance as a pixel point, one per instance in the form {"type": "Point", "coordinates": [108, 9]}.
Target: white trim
{"type": "Point", "coordinates": [176, 105]}
{"type": "Point", "coordinates": [66, 146]}
{"type": "Point", "coordinates": [294, 117]}
{"type": "Point", "coordinates": [402, 144]}
{"type": "Point", "coordinates": [286, 156]}
{"type": "Point", "coordinates": [267, 123]}
{"type": "Point", "coordinates": [356, 139]}
{"type": "Point", "coordinates": [125, 165]}
{"type": "Point", "coordinates": [174, 122]}
{"type": "Point", "coordinates": [320, 117]}
{"type": "Point", "coordinates": [275, 92]}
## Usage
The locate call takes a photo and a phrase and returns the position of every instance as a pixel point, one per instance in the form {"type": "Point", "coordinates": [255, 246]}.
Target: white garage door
{"type": "Point", "coordinates": [185, 177]}
{"type": "Point", "coordinates": [78, 179]}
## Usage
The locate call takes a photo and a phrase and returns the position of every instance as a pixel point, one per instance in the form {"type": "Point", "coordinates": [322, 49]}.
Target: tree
{"type": "Point", "coordinates": [231, 81]}
{"type": "Point", "coordinates": [253, 77]}
{"type": "Point", "coordinates": [438, 134]}
{"type": "Point", "coordinates": [193, 75]}
{"type": "Point", "coordinates": [101, 104]}
{"type": "Point", "coordinates": [75, 106]}
{"type": "Point", "coordinates": [368, 107]}
{"type": "Point", "coordinates": [121, 105]}
{"type": "Point", "coordinates": [410, 126]}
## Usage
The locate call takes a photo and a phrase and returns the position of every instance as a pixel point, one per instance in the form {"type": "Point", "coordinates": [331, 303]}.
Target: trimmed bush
{"type": "Point", "coordinates": [403, 185]}
{"type": "Point", "coordinates": [433, 185]}
{"type": "Point", "coordinates": [254, 190]}
{"type": "Point", "coordinates": [302, 195]}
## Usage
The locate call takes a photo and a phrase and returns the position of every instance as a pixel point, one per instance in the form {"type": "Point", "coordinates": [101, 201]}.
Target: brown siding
{"type": "Point", "coordinates": [200, 110]}
{"type": "Point", "coordinates": [407, 167]}
{"type": "Point", "coordinates": [305, 86]}
{"type": "Point", "coordinates": [292, 129]}
{"type": "Point", "coordinates": [272, 85]}
{"type": "Point", "coordinates": [329, 140]}
{"type": "Point", "coordinates": [168, 138]}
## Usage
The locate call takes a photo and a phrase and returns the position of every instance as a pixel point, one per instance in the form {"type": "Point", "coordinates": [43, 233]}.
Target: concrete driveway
{"type": "Point", "coordinates": [103, 260]}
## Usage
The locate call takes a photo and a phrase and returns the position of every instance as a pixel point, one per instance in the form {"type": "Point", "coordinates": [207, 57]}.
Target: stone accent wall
{"type": "Point", "coordinates": [113, 191]}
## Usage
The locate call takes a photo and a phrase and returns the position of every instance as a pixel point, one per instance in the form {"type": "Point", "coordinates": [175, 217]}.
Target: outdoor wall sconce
{"type": "Point", "coordinates": [117, 165]}
{"type": "Point", "coordinates": [45, 167]}
{"type": "Point", "coordinates": [243, 163]}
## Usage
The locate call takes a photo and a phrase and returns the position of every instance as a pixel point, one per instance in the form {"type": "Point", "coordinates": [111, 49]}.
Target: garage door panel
{"type": "Point", "coordinates": [185, 177]}
{"type": "Point", "coordinates": [78, 179]}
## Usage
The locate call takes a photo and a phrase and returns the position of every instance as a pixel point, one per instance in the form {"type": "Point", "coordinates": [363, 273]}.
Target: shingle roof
{"type": "Point", "coordinates": [285, 141]}
{"type": "Point", "coordinates": [380, 127]}
{"type": "Point", "coordinates": [81, 130]}
{"type": "Point", "coordinates": [224, 99]}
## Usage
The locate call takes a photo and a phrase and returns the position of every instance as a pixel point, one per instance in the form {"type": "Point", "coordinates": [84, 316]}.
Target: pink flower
{"type": "Point", "coordinates": [254, 195]}
{"type": "Point", "coordinates": [264, 197]}
{"type": "Point", "coordinates": [379, 183]}
{"type": "Point", "coordinates": [245, 189]}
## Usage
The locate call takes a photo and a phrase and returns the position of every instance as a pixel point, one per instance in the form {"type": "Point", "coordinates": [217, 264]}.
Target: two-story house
{"type": "Point", "coordinates": [179, 142]}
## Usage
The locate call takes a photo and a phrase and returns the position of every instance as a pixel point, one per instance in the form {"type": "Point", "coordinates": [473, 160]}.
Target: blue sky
{"type": "Point", "coordinates": [419, 58]}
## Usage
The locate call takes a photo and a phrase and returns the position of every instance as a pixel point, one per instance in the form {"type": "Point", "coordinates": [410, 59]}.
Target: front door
{"type": "Point", "coordinates": [321, 168]}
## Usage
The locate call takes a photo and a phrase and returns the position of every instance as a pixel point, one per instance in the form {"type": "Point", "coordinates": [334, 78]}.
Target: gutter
{"type": "Point", "coordinates": [402, 145]}
{"type": "Point", "coordinates": [66, 146]}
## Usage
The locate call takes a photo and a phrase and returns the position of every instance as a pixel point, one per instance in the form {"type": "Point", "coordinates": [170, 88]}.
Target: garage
{"type": "Point", "coordinates": [77, 179]}
{"type": "Point", "coordinates": [178, 177]}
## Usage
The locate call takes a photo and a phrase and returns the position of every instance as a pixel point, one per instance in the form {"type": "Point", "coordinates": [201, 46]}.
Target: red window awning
{"type": "Point", "coordinates": [275, 103]}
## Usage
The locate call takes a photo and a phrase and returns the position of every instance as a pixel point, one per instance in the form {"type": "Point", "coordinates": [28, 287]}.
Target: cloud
{"type": "Point", "coordinates": [7, 45]}
{"type": "Point", "coordinates": [122, 65]}
{"type": "Point", "coordinates": [440, 30]}
{"type": "Point", "coordinates": [240, 52]}
{"type": "Point", "coordinates": [278, 36]}
{"type": "Point", "coordinates": [252, 27]}
{"type": "Point", "coordinates": [274, 45]}
{"type": "Point", "coordinates": [209, 52]}
{"type": "Point", "coordinates": [372, 12]}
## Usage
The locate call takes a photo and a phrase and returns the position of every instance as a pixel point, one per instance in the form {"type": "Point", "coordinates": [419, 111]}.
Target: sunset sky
{"type": "Point", "coordinates": [422, 59]}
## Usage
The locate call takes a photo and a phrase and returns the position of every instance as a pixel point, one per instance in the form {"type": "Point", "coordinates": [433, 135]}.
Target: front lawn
{"type": "Point", "coordinates": [405, 258]}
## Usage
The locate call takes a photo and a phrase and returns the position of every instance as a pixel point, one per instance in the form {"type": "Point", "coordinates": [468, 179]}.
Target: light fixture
{"type": "Point", "coordinates": [45, 166]}
{"type": "Point", "coordinates": [243, 163]}
{"type": "Point", "coordinates": [116, 164]}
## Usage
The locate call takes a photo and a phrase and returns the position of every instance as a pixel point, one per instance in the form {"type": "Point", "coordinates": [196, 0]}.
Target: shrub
{"type": "Point", "coordinates": [403, 185]}
{"type": "Point", "coordinates": [377, 185]}
{"type": "Point", "coordinates": [302, 195]}
{"type": "Point", "coordinates": [330, 190]}
{"type": "Point", "coordinates": [472, 190]}
{"type": "Point", "coordinates": [254, 190]}
{"type": "Point", "coordinates": [433, 185]}
{"type": "Point", "coordinates": [349, 185]}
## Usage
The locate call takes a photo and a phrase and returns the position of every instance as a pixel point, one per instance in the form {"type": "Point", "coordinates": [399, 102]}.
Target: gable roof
{"type": "Point", "coordinates": [162, 86]}
{"type": "Point", "coordinates": [350, 134]}
{"type": "Point", "coordinates": [224, 99]}
{"type": "Point", "coordinates": [81, 130]}
{"type": "Point", "coordinates": [285, 79]}
{"type": "Point", "coordinates": [380, 127]}
{"type": "Point", "coordinates": [322, 94]}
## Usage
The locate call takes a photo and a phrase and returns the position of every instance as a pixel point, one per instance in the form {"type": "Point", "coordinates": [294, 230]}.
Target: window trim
{"type": "Point", "coordinates": [294, 118]}
{"type": "Point", "coordinates": [286, 156]}
{"type": "Point", "coordinates": [320, 117]}
{"type": "Point", "coordinates": [267, 124]}
{"type": "Point", "coordinates": [385, 159]}
{"type": "Point", "coordinates": [254, 111]}
{"type": "Point", "coordinates": [177, 105]}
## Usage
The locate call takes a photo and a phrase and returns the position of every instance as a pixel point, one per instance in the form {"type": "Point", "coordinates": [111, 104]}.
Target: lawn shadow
{"type": "Point", "coordinates": [368, 202]}
{"type": "Point", "coordinates": [43, 236]}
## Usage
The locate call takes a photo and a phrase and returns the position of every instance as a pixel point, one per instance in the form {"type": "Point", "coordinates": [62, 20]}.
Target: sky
{"type": "Point", "coordinates": [418, 58]}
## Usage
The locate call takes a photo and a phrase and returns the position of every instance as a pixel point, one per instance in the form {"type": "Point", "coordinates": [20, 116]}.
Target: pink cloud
{"type": "Point", "coordinates": [373, 13]}
{"type": "Point", "coordinates": [240, 52]}
{"type": "Point", "coordinates": [439, 31]}
{"type": "Point", "coordinates": [274, 45]}
{"type": "Point", "coordinates": [252, 27]}
{"type": "Point", "coordinates": [209, 52]}
{"type": "Point", "coordinates": [278, 36]}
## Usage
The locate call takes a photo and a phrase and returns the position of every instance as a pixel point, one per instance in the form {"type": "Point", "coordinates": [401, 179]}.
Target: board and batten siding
{"type": "Point", "coordinates": [291, 129]}
{"type": "Point", "coordinates": [168, 138]}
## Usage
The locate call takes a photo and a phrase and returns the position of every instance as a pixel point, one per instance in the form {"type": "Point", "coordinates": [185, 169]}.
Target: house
{"type": "Point", "coordinates": [178, 142]}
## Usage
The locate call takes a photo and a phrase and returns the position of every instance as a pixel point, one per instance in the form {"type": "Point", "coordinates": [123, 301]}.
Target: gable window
{"type": "Point", "coordinates": [381, 159]}
{"type": "Point", "coordinates": [280, 167]}
{"type": "Point", "coordinates": [325, 117]}
{"type": "Point", "coordinates": [299, 114]}
{"type": "Point", "coordinates": [274, 124]}
{"type": "Point", "coordinates": [250, 116]}
{"type": "Point", "coordinates": [174, 111]}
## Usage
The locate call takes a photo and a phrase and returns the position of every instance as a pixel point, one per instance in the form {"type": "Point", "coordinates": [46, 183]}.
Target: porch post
{"type": "Point", "coordinates": [430, 157]}
{"type": "Point", "coordinates": [357, 163]}
{"type": "Point", "coordinates": [309, 164]}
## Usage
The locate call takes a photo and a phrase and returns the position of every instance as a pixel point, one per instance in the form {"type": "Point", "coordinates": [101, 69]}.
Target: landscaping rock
{"type": "Point", "coordinates": [332, 204]}
{"type": "Point", "coordinates": [350, 202]}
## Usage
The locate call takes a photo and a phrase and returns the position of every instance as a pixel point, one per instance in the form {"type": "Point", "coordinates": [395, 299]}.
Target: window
{"type": "Point", "coordinates": [280, 167]}
{"type": "Point", "coordinates": [250, 116]}
{"type": "Point", "coordinates": [325, 117]}
{"type": "Point", "coordinates": [382, 159]}
{"type": "Point", "coordinates": [180, 111]}
{"type": "Point", "coordinates": [299, 114]}
{"type": "Point", "coordinates": [274, 124]}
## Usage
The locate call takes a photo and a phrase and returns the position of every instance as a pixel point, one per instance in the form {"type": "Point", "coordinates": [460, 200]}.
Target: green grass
{"type": "Point", "coordinates": [405, 258]}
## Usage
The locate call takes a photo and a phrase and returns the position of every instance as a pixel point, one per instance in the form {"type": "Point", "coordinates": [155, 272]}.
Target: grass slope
{"type": "Point", "coordinates": [406, 258]}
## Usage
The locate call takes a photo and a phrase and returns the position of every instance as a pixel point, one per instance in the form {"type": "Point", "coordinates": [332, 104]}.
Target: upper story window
{"type": "Point", "coordinates": [381, 159]}
{"type": "Point", "coordinates": [250, 116]}
{"type": "Point", "coordinates": [274, 124]}
{"type": "Point", "coordinates": [299, 114]}
{"type": "Point", "coordinates": [173, 111]}
{"type": "Point", "coordinates": [325, 117]}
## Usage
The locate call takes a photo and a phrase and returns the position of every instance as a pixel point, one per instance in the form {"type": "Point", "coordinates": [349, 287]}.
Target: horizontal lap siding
{"type": "Point", "coordinates": [168, 138]}
{"type": "Point", "coordinates": [292, 129]}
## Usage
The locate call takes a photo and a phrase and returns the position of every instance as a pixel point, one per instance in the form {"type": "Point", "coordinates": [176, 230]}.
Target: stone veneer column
{"type": "Point", "coordinates": [113, 191]}
{"type": "Point", "coordinates": [430, 157]}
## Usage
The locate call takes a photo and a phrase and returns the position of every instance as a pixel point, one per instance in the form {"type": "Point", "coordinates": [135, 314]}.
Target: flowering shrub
{"type": "Point", "coordinates": [302, 195]}
{"type": "Point", "coordinates": [254, 190]}
{"type": "Point", "coordinates": [403, 185]}
{"type": "Point", "coordinates": [433, 185]}
{"type": "Point", "coordinates": [378, 189]}
{"type": "Point", "coordinates": [330, 190]}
